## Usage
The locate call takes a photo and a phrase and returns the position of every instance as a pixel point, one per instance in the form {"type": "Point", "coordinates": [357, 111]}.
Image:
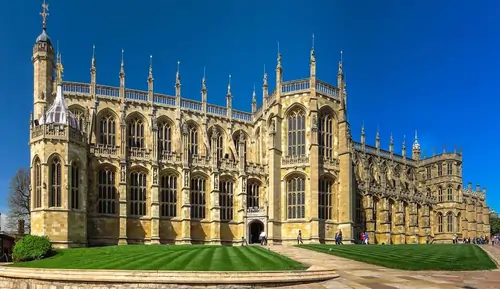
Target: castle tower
{"type": "Point", "coordinates": [58, 155]}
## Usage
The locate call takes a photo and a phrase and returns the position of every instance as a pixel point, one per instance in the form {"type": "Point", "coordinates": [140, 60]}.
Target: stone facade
{"type": "Point", "coordinates": [145, 167]}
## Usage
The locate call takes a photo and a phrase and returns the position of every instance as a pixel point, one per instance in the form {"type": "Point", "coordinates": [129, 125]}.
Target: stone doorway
{"type": "Point", "coordinates": [255, 228]}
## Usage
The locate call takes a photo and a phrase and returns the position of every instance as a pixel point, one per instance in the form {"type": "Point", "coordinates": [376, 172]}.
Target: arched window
{"type": "Point", "coordinates": [219, 143]}
{"type": "Point", "coordinates": [440, 194]}
{"type": "Point", "coordinates": [359, 208]}
{"type": "Point", "coordinates": [375, 213]}
{"type": "Point", "coordinates": [236, 140]}
{"type": "Point", "coordinates": [193, 140]}
{"type": "Point", "coordinates": [296, 133]}
{"type": "Point", "coordinates": [198, 198]}
{"type": "Point", "coordinates": [75, 186]}
{"type": "Point", "coordinates": [226, 196]}
{"type": "Point", "coordinates": [107, 192]}
{"type": "Point", "coordinates": [168, 196]}
{"type": "Point", "coordinates": [449, 222]}
{"type": "Point", "coordinates": [326, 136]}
{"type": "Point", "coordinates": [296, 191]}
{"type": "Point", "coordinates": [107, 131]}
{"type": "Point", "coordinates": [80, 117]}
{"type": "Point", "coordinates": [325, 199]}
{"type": "Point", "coordinates": [459, 223]}
{"type": "Point", "coordinates": [449, 193]}
{"type": "Point", "coordinates": [55, 183]}
{"type": "Point", "coordinates": [38, 184]}
{"type": "Point", "coordinates": [253, 190]}
{"type": "Point", "coordinates": [164, 137]}
{"type": "Point", "coordinates": [135, 133]}
{"type": "Point", "coordinates": [440, 222]}
{"type": "Point", "coordinates": [137, 194]}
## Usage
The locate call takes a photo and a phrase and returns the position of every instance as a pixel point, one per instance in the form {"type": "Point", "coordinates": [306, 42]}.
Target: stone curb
{"type": "Point", "coordinates": [492, 257]}
{"type": "Point", "coordinates": [170, 277]}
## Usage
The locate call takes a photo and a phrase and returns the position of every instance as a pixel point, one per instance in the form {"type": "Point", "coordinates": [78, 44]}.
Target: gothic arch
{"type": "Point", "coordinates": [137, 114]}
{"type": "Point", "coordinates": [255, 180]}
{"type": "Point", "coordinates": [76, 107]}
{"type": "Point", "coordinates": [54, 155]}
{"type": "Point", "coordinates": [34, 159]}
{"type": "Point", "coordinates": [165, 119]}
{"type": "Point", "coordinates": [200, 174]}
{"type": "Point", "coordinates": [327, 109]}
{"type": "Point", "coordinates": [107, 166]}
{"type": "Point", "coordinates": [75, 160]}
{"type": "Point", "coordinates": [107, 111]}
{"type": "Point", "coordinates": [138, 168]}
{"type": "Point", "coordinates": [169, 171]}
{"type": "Point", "coordinates": [293, 107]}
{"type": "Point", "coordinates": [328, 175]}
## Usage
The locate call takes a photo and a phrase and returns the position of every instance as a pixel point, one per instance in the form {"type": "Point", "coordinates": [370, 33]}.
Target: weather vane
{"type": "Point", "coordinates": [44, 14]}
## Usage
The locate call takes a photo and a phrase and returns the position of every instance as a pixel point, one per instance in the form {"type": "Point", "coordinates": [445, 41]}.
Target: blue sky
{"type": "Point", "coordinates": [430, 65]}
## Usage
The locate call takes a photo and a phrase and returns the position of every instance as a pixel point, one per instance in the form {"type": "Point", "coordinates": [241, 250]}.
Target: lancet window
{"type": "Point", "coordinates": [449, 193]}
{"type": "Point", "coordinates": [326, 137]}
{"type": "Point", "coordinates": [55, 183]}
{"type": "Point", "coordinates": [296, 192]}
{"type": "Point", "coordinates": [440, 169]}
{"type": "Point", "coordinates": [198, 198]}
{"type": "Point", "coordinates": [38, 184]}
{"type": "Point", "coordinates": [75, 186]}
{"type": "Point", "coordinates": [449, 168]}
{"type": "Point", "coordinates": [440, 222]}
{"type": "Point", "coordinates": [226, 198]}
{"type": "Point", "coordinates": [137, 194]}
{"type": "Point", "coordinates": [449, 222]}
{"type": "Point", "coordinates": [165, 137]}
{"type": "Point", "coordinates": [325, 204]}
{"type": "Point", "coordinates": [136, 133]}
{"type": "Point", "coordinates": [253, 190]}
{"type": "Point", "coordinates": [80, 117]}
{"type": "Point", "coordinates": [107, 133]}
{"type": "Point", "coordinates": [107, 192]}
{"type": "Point", "coordinates": [236, 140]}
{"type": "Point", "coordinates": [297, 133]}
{"type": "Point", "coordinates": [440, 194]}
{"type": "Point", "coordinates": [219, 143]}
{"type": "Point", "coordinates": [168, 196]}
{"type": "Point", "coordinates": [428, 171]}
{"type": "Point", "coordinates": [193, 140]}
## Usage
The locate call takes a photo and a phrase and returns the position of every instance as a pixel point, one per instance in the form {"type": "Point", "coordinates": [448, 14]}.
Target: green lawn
{"type": "Point", "coordinates": [413, 257]}
{"type": "Point", "coordinates": [185, 258]}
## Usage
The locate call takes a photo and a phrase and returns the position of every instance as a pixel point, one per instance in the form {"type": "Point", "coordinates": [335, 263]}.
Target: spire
{"type": "Point", "coordinates": [341, 71]}
{"type": "Point", "coordinates": [403, 147]}
{"type": "Point", "coordinates": [313, 54]}
{"type": "Point", "coordinates": [377, 139]}
{"type": "Point", "coordinates": [254, 97]}
{"type": "Point", "coordinates": [178, 74]}
{"type": "Point", "coordinates": [363, 135]}
{"type": "Point", "coordinates": [122, 65]}
{"type": "Point", "coordinates": [204, 80]}
{"type": "Point", "coordinates": [229, 86]}
{"type": "Point", "coordinates": [278, 65]}
{"type": "Point", "coordinates": [92, 67]}
{"type": "Point", "coordinates": [44, 14]}
{"type": "Point", "coordinates": [59, 68]}
{"type": "Point", "coordinates": [265, 77]}
{"type": "Point", "coordinates": [150, 77]}
{"type": "Point", "coordinates": [416, 145]}
{"type": "Point", "coordinates": [391, 144]}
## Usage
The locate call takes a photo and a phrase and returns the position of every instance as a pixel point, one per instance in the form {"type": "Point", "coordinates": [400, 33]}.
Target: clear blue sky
{"type": "Point", "coordinates": [430, 65]}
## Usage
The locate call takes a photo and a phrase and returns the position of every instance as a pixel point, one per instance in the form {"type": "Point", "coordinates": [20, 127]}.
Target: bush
{"type": "Point", "coordinates": [31, 248]}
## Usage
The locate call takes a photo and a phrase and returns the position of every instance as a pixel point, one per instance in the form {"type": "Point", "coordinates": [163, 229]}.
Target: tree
{"type": "Point", "coordinates": [494, 225]}
{"type": "Point", "coordinates": [19, 200]}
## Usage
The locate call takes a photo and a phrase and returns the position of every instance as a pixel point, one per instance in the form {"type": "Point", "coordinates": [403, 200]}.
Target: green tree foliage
{"type": "Point", "coordinates": [31, 248]}
{"type": "Point", "coordinates": [495, 225]}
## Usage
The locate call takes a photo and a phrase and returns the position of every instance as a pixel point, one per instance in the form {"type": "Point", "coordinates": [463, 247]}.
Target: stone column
{"type": "Point", "coordinates": [370, 223]}
{"type": "Point", "coordinates": [314, 159]}
{"type": "Point", "coordinates": [185, 191]}
{"type": "Point", "coordinates": [274, 188]}
{"type": "Point", "coordinates": [241, 200]}
{"type": "Point", "coordinates": [122, 210]}
{"type": "Point", "coordinates": [155, 207]}
{"type": "Point", "coordinates": [384, 231]}
{"type": "Point", "coordinates": [214, 193]}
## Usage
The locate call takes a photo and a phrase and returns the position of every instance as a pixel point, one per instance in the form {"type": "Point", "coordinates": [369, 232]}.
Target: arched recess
{"type": "Point", "coordinates": [37, 182]}
{"type": "Point", "coordinates": [295, 125]}
{"type": "Point", "coordinates": [137, 130]}
{"type": "Point", "coordinates": [243, 135]}
{"type": "Point", "coordinates": [295, 187]}
{"type": "Point", "coordinates": [449, 222]}
{"type": "Point", "coordinates": [169, 188]}
{"type": "Point", "coordinates": [194, 137]}
{"type": "Point", "coordinates": [459, 222]}
{"type": "Point", "coordinates": [440, 196]}
{"type": "Point", "coordinates": [255, 198]}
{"type": "Point", "coordinates": [107, 127]}
{"type": "Point", "coordinates": [166, 132]}
{"type": "Point", "coordinates": [75, 176]}
{"type": "Point", "coordinates": [327, 131]}
{"type": "Point", "coordinates": [293, 107]}
{"type": "Point", "coordinates": [439, 222]}
{"type": "Point", "coordinates": [78, 112]}
{"type": "Point", "coordinates": [257, 147]}
{"type": "Point", "coordinates": [217, 132]}
{"type": "Point", "coordinates": [56, 165]}
{"type": "Point", "coordinates": [325, 196]}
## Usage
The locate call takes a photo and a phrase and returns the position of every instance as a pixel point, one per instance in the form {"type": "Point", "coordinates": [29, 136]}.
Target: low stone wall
{"type": "Point", "coordinates": [29, 278]}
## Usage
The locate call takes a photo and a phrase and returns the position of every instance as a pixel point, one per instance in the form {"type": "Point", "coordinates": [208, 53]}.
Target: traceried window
{"type": "Point", "coordinates": [38, 184]}
{"type": "Point", "coordinates": [326, 136]}
{"type": "Point", "coordinates": [136, 133]}
{"type": "Point", "coordinates": [359, 209]}
{"type": "Point", "coordinates": [253, 190]}
{"type": "Point", "coordinates": [80, 117]}
{"type": "Point", "coordinates": [107, 192]}
{"type": "Point", "coordinates": [236, 140]}
{"type": "Point", "coordinates": [439, 217]}
{"type": "Point", "coordinates": [449, 194]}
{"type": "Point", "coordinates": [107, 131]}
{"type": "Point", "coordinates": [296, 133]}
{"type": "Point", "coordinates": [75, 186]}
{"type": "Point", "coordinates": [440, 194]}
{"type": "Point", "coordinates": [168, 196]}
{"type": "Point", "coordinates": [226, 197]}
{"type": "Point", "coordinates": [164, 137]}
{"type": "Point", "coordinates": [428, 171]}
{"type": "Point", "coordinates": [137, 194]}
{"type": "Point", "coordinates": [325, 199]}
{"type": "Point", "coordinates": [198, 198]}
{"type": "Point", "coordinates": [440, 169]}
{"type": "Point", "coordinates": [296, 192]}
{"type": "Point", "coordinates": [449, 168]}
{"type": "Point", "coordinates": [55, 183]}
{"type": "Point", "coordinates": [449, 222]}
{"type": "Point", "coordinates": [193, 140]}
{"type": "Point", "coordinates": [219, 143]}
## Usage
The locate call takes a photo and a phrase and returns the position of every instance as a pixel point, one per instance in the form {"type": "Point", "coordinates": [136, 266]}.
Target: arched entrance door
{"type": "Point", "coordinates": [255, 228]}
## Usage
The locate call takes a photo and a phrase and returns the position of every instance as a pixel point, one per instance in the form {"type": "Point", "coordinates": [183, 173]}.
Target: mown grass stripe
{"type": "Point", "coordinates": [184, 261]}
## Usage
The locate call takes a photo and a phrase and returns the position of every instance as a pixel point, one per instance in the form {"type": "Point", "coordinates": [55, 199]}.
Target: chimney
{"type": "Point", "coordinates": [469, 186]}
{"type": "Point", "coordinates": [20, 227]}
{"type": "Point", "coordinates": [478, 188]}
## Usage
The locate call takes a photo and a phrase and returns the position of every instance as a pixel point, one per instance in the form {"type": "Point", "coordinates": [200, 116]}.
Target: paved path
{"type": "Point", "coordinates": [360, 275]}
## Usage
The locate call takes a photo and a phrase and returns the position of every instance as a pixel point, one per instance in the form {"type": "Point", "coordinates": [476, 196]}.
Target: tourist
{"type": "Point", "coordinates": [363, 238]}
{"type": "Point", "coordinates": [338, 237]}
{"type": "Point", "coordinates": [263, 238]}
{"type": "Point", "coordinates": [366, 238]}
{"type": "Point", "coordinates": [299, 238]}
